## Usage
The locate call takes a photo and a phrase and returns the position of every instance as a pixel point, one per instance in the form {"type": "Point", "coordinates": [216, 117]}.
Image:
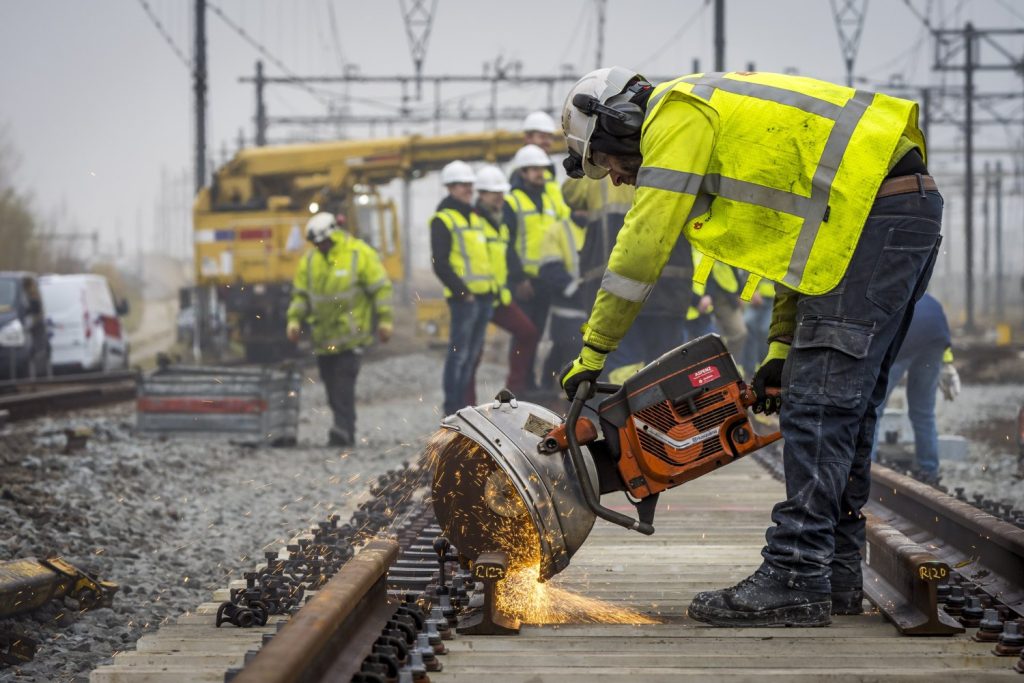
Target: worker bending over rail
{"type": "Point", "coordinates": [820, 188]}
{"type": "Point", "coordinates": [340, 290]}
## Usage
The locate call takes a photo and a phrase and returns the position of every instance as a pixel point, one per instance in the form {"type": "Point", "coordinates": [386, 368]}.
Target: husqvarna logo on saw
{"type": "Point", "coordinates": [704, 375]}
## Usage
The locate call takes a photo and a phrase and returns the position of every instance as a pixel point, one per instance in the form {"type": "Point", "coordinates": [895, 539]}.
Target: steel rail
{"type": "Point", "coordinates": [343, 617]}
{"type": "Point", "coordinates": [70, 397]}
{"type": "Point", "coordinates": [986, 550]}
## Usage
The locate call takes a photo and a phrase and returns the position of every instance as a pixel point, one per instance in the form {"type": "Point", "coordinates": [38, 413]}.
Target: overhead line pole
{"type": "Point", "coordinates": [719, 64]}
{"type": "Point", "coordinates": [969, 171]}
{"type": "Point", "coordinates": [199, 90]}
{"type": "Point", "coordinates": [948, 45]}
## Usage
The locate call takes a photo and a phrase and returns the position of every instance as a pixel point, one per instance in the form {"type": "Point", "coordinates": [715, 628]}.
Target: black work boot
{"type": "Point", "coordinates": [847, 594]}
{"type": "Point", "coordinates": [847, 601]}
{"type": "Point", "coordinates": [760, 600]}
{"type": "Point", "coordinates": [339, 437]}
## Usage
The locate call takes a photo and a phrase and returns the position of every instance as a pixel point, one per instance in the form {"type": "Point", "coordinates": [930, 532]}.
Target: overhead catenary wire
{"type": "Point", "coordinates": [259, 47]}
{"type": "Point", "coordinates": [165, 35]}
{"type": "Point", "coordinates": [688, 24]}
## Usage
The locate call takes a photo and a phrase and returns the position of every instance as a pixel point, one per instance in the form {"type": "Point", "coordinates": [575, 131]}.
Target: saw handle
{"type": "Point", "coordinates": [593, 502]}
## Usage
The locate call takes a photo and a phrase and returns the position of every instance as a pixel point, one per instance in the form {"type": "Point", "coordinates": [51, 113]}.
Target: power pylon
{"type": "Point", "coordinates": [849, 17]}
{"type": "Point", "coordinates": [419, 18]}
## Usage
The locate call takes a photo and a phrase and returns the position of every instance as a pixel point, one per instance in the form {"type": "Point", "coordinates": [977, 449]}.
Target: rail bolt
{"type": "Point", "coordinates": [972, 612]}
{"type": "Point", "coordinates": [1011, 640]}
{"type": "Point", "coordinates": [989, 627]}
{"type": "Point", "coordinates": [956, 601]}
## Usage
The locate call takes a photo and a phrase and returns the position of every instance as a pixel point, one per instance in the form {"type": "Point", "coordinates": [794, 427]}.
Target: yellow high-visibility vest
{"type": "Point", "coordinates": [470, 256]}
{"type": "Point", "coordinates": [340, 293]}
{"type": "Point", "coordinates": [792, 172]}
{"type": "Point", "coordinates": [532, 224]}
{"type": "Point", "coordinates": [770, 173]}
{"type": "Point", "coordinates": [553, 191]}
{"type": "Point", "coordinates": [497, 246]}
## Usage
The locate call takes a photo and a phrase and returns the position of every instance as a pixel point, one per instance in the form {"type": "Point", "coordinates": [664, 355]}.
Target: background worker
{"type": "Point", "coordinates": [560, 277]}
{"type": "Point", "coordinates": [758, 317]}
{"type": "Point", "coordinates": [602, 206]}
{"type": "Point", "coordinates": [461, 261]}
{"type": "Point", "coordinates": [340, 290]}
{"type": "Point", "coordinates": [926, 358]}
{"type": "Point", "coordinates": [539, 129]}
{"type": "Point", "coordinates": [491, 187]}
{"type": "Point", "coordinates": [528, 213]}
{"type": "Point", "coordinates": [803, 182]}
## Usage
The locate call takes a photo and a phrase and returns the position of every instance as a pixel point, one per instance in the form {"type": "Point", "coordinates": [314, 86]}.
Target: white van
{"type": "Point", "coordinates": [86, 331]}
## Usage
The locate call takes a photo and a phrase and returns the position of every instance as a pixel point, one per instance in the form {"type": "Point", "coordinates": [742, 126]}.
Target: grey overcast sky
{"type": "Point", "coordinates": [99, 106]}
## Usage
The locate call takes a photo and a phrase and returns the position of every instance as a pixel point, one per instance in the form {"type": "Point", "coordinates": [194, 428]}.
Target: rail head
{"type": "Point", "coordinates": [311, 641]}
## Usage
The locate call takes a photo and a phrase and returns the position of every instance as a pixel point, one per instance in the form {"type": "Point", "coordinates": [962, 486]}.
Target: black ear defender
{"type": "Point", "coordinates": [620, 117]}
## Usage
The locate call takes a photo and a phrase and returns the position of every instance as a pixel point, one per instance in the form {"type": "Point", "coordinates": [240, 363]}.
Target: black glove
{"type": "Point", "coordinates": [769, 378]}
{"type": "Point", "coordinates": [586, 368]}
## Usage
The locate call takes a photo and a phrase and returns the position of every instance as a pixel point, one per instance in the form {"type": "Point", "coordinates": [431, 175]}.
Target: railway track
{"type": "Point", "coordinates": [24, 400]}
{"type": "Point", "coordinates": [936, 566]}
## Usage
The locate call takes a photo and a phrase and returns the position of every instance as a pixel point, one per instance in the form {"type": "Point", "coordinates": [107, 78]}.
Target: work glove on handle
{"type": "Point", "coordinates": [949, 382]}
{"type": "Point", "coordinates": [586, 368]}
{"type": "Point", "coordinates": [769, 376]}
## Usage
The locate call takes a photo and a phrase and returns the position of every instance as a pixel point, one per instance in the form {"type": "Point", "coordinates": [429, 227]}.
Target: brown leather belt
{"type": "Point", "coordinates": [905, 184]}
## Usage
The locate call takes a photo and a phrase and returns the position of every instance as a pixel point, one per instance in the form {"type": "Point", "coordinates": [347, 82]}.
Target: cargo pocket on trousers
{"type": "Point", "coordinates": [826, 363]}
{"type": "Point", "coordinates": [900, 267]}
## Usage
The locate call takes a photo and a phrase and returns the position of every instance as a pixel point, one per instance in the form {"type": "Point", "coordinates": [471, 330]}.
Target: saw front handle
{"type": "Point", "coordinates": [593, 502]}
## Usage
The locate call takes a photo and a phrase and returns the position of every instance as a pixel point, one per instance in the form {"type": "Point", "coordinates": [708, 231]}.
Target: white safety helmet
{"type": "Point", "coordinates": [320, 227]}
{"type": "Point", "coordinates": [457, 172]}
{"type": "Point", "coordinates": [539, 121]}
{"type": "Point", "coordinates": [491, 179]}
{"type": "Point", "coordinates": [579, 124]}
{"type": "Point", "coordinates": [529, 156]}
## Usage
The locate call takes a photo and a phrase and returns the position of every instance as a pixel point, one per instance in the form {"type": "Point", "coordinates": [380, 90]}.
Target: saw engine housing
{"type": "Point", "coordinates": [680, 417]}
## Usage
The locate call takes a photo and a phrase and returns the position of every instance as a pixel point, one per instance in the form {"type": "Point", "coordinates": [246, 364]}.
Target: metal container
{"type": "Point", "coordinates": [259, 402]}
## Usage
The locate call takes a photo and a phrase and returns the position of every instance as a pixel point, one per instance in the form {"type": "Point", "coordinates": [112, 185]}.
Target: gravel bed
{"type": "Point", "coordinates": [171, 520]}
{"type": "Point", "coordinates": [987, 415]}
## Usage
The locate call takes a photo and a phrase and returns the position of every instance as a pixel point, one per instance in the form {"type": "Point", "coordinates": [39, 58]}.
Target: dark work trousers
{"type": "Point", "coordinates": [465, 343]}
{"type": "Point", "coordinates": [649, 337]}
{"type": "Point", "coordinates": [536, 309]}
{"type": "Point", "coordinates": [338, 372]}
{"type": "Point", "coordinates": [521, 350]}
{"type": "Point", "coordinates": [833, 382]}
{"type": "Point", "coordinates": [566, 341]}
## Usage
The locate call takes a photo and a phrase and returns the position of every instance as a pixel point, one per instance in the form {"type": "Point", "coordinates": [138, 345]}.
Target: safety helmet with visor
{"type": "Point", "coordinates": [599, 113]}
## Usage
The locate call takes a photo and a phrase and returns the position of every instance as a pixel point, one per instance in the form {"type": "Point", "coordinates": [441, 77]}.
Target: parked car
{"type": "Point", "coordinates": [86, 330]}
{"type": "Point", "coordinates": [24, 347]}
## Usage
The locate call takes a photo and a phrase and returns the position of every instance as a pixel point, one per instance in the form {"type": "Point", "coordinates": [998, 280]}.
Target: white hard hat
{"type": "Point", "coordinates": [491, 179]}
{"type": "Point", "coordinates": [457, 172]}
{"type": "Point", "coordinates": [530, 155]}
{"type": "Point", "coordinates": [539, 121]}
{"type": "Point", "coordinates": [320, 227]}
{"type": "Point", "coordinates": [579, 125]}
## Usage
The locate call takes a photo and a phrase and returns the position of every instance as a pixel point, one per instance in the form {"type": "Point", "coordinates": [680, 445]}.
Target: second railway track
{"type": "Point", "coordinates": [28, 399]}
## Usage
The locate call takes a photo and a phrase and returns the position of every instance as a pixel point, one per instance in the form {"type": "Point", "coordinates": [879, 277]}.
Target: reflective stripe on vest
{"type": "Point", "coordinates": [846, 193]}
{"type": "Point", "coordinates": [469, 256]}
{"type": "Point", "coordinates": [531, 226]}
{"type": "Point", "coordinates": [497, 245]}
